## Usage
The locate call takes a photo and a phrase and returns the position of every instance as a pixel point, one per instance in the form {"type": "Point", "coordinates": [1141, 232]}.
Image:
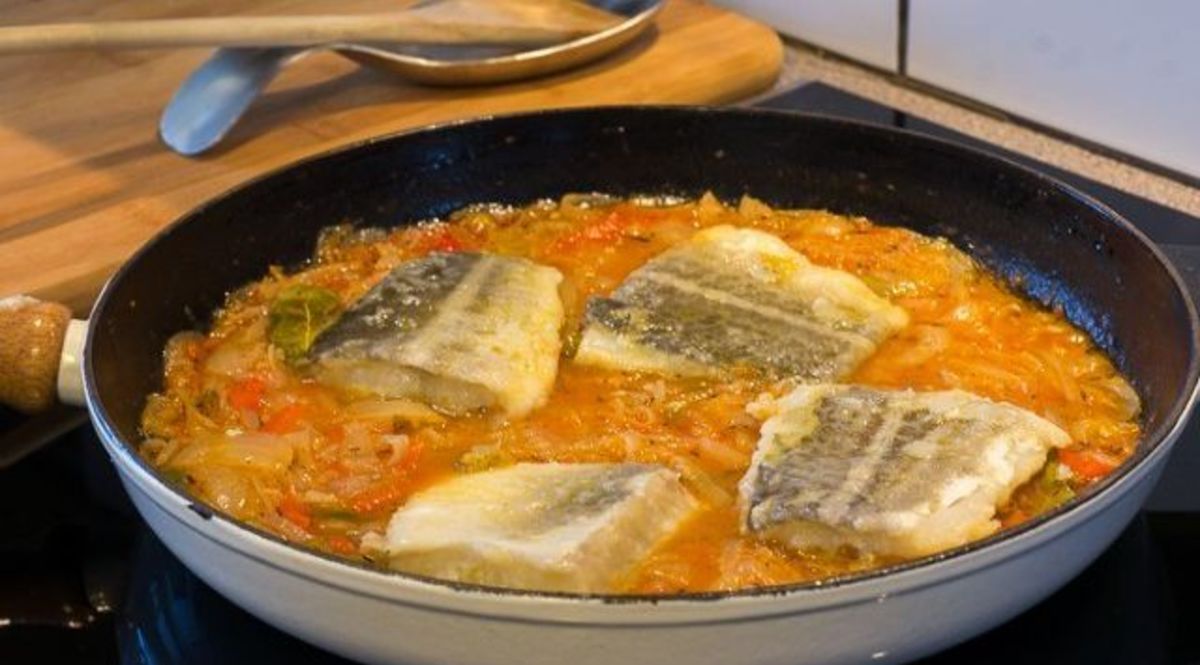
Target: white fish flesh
{"type": "Point", "coordinates": [889, 472]}
{"type": "Point", "coordinates": [554, 527]}
{"type": "Point", "coordinates": [733, 297]}
{"type": "Point", "coordinates": [460, 331]}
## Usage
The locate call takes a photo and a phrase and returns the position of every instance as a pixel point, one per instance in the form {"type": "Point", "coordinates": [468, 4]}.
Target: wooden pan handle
{"type": "Point", "coordinates": [40, 347]}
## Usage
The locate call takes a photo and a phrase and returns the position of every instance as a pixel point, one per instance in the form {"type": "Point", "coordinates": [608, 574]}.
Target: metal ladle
{"type": "Point", "coordinates": [217, 94]}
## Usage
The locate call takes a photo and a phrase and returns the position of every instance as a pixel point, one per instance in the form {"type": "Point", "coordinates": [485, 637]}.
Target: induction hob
{"type": "Point", "coordinates": [83, 580]}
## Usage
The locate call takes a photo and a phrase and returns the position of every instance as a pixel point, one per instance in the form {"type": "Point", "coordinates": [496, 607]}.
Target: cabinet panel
{"type": "Point", "coordinates": [1123, 74]}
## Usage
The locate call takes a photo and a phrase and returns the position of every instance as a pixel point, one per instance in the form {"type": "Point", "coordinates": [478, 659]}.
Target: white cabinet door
{"type": "Point", "coordinates": [861, 29]}
{"type": "Point", "coordinates": [1121, 73]}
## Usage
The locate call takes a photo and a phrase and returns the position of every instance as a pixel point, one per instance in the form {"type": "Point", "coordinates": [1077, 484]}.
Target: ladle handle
{"type": "Point", "coordinates": [398, 27]}
{"type": "Point", "coordinates": [41, 354]}
{"type": "Point", "coordinates": [212, 99]}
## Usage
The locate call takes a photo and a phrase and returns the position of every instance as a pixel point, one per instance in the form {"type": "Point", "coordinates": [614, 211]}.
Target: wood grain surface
{"type": "Point", "coordinates": [84, 180]}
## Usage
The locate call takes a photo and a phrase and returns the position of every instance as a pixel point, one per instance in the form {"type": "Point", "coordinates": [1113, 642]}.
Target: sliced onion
{"type": "Point", "coordinates": [699, 482]}
{"type": "Point", "coordinates": [1130, 403]}
{"type": "Point", "coordinates": [285, 527]}
{"type": "Point", "coordinates": [250, 451]}
{"type": "Point", "coordinates": [403, 409]}
{"type": "Point", "coordinates": [263, 452]}
{"type": "Point", "coordinates": [227, 489]}
{"type": "Point", "coordinates": [709, 207]}
{"type": "Point", "coordinates": [398, 443]}
{"type": "Point", "coordinates": [721, 454]}
{"type": "Point", "coordinates": [930, 341]}
{"type": "Point", "coordinates": [240, 354]}
{"type": "Point", "coordinates": [751, 207]}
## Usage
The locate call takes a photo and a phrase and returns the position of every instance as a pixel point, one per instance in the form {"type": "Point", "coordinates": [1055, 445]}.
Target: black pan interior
{"type": "Point", "coordinates": [1052, 243]}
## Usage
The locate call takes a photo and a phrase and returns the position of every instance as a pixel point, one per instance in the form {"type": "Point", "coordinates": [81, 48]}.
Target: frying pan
{"type": "Point", "coordinates": [1051, 242]}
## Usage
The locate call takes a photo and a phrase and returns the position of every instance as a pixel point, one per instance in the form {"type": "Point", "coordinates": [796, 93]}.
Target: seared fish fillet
{"type": "Point", "coordinates": [555, 527]}
{"type": "Point", "coordinates": [730, 297]}
{"type": "Point", "coordinates": [889, 472]}
{"type": "Point", "coordinates": [460, 331]}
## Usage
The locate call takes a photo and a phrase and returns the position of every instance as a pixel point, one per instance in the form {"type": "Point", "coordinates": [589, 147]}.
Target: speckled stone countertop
{"type": "Point", "coordinates": [805, 64]}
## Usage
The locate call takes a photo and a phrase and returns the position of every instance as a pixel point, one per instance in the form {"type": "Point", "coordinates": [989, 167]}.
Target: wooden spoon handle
{"type": "Point", "coordinates": [398, 27]}
{"type": "Point", "coordinates": [40, 346]}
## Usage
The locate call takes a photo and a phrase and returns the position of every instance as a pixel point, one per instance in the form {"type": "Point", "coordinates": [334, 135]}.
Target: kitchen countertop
{"type": "Point", "coordinates": [84, 180]}
{"type": "Point", "coordinates": [806, 63]}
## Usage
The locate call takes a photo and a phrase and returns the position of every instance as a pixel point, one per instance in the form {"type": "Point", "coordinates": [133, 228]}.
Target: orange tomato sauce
{"type": "Point", "coordinates": [249, 433]}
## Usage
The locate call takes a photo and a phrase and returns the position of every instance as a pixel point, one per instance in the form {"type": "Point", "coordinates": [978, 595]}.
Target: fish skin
{"type": "Point", "coordinates": [890, 472]}
{"type": "Point", "coordinates": [461, 331]}
{"type": "Point", "coordinates": [392, 310]}
{"type": "Point", "coordinates": [552, 527]}
{"type": "Point", "coordinates": [733, 297]}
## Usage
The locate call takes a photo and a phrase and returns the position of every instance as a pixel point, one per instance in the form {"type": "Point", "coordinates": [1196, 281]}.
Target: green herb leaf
{"type": "Point", "coordinates": [175, 476]}
{"type": "Point", "coordinates": [298, 315]}
{"type": "Point", "coordinates": [336, 513]}
{"type": "Point", "coordinates": [1054, 490]}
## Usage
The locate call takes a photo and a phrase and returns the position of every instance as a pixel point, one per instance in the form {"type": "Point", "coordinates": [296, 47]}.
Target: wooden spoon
{"type": "Point", "coordinates": [214, 97]}
{"type": "Point", "coordinates": [517, 22]}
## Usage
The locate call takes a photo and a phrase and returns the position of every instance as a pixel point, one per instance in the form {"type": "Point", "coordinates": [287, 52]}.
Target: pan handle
{"type": "Point", "coordinates": [41, 354]}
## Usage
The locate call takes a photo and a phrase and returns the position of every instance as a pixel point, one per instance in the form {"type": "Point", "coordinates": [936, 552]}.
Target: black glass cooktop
{"type": "Point", "coordinates": [82, 580]}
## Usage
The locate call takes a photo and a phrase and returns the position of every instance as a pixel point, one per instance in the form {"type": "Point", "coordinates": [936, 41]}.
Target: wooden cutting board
{"type": "Point", "coordinates": [84, 180]}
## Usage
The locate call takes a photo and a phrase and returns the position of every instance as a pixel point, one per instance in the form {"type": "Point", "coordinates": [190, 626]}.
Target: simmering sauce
{"type": "Point", "coordinates": [240, 424]}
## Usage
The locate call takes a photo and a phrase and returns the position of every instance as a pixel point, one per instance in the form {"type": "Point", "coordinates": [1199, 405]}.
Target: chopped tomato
{"type": "Point", "coordinates": [295, 511]}
{"type": "Point", "coordinates": [1013, 518]}
{"type": "Point", "coordinates": [285, 420]}
{"type": "Point", "coordinates": [333, 432]}
{"type": "Point", "coordinates": [605, 230]}
{"type": "Point", "coordinates": [447, 244]}
{"type": "Point", "coordinates": [247, 394]}
{"type": "Point", "coordinates": [1087, 464]}
{"type": "Point", "coordinates": [385, 494]}
{"type": "Point", "coordinates": [411, 455]}
{"type": "Point", "coordinates": [194, 349]}
{"type": "Point", "coordinates": [440, 239]}
{"type": "Point", "coordinates": [341, 544]}
{"type": "Point", "coordinates": [389, 492]}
